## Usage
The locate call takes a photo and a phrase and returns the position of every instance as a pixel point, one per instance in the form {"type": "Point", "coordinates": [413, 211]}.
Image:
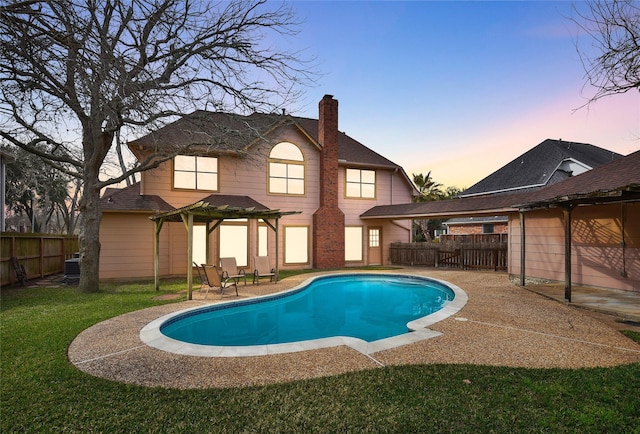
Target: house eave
{"type": "Point", "coordinates": [451, 214]}
{"type": "Point", "coordinates": [630, 193]}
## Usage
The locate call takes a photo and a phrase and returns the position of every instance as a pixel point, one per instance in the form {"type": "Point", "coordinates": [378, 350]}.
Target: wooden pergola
{"type": "Point", "coordinates": [203, 212]}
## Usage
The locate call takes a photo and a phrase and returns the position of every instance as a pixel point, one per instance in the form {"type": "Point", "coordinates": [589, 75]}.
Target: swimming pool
{"type": "Point", "coordinates": [368, 312]}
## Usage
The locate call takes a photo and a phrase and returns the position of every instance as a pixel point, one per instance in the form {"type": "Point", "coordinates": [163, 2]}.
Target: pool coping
{"type": "Point", "coordinates": [501, 325]}
{"type": "Point", "coordinates": [151, 335]}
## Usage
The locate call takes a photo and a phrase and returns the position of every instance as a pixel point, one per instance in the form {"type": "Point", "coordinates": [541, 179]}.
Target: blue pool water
{"type": "Point", "coordinates": [365, 306]}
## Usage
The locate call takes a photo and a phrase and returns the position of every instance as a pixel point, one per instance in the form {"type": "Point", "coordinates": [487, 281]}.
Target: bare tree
{"type": "Point", "coordinates": [612, 60]}
{"type": "Point", "coordinates": [74, 73]}
{"type": "Point", "coordinates": [37, 192]}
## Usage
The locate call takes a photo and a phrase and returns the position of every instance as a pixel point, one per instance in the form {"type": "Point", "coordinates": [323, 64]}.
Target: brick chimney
{"type": "Point", "coordinates": [328, 220]}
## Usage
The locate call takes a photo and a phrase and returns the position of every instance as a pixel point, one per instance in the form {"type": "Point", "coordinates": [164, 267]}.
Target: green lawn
{"type": "Point", "coordinates": [42, 392]}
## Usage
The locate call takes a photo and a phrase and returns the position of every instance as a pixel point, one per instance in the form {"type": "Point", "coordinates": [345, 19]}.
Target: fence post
{"type": "Point", "coordinates": [41, 261]}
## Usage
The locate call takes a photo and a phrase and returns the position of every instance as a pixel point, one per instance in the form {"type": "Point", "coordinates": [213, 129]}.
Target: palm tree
{"type": "Point", "coordinates": [428, 190]}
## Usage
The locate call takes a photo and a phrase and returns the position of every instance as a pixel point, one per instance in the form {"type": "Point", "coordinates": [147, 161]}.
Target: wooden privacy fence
{"type": "Point", "coordinates": [40, 254]}
{"type": "Point", "coordinates": [452, 254]}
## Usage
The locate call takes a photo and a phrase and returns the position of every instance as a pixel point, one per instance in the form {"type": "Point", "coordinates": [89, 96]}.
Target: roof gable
{"type": "Point", "coordinates": [219, 133]}
{"type": "Point", "coordinates": [540, 166]}
{"type": "Point", "coordinates": [206, 131]}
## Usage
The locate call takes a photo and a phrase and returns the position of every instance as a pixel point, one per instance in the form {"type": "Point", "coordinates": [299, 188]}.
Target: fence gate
{"type": "Point", "coordinates": [461, 252]}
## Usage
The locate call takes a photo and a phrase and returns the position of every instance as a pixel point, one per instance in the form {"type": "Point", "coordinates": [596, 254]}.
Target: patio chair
{"type": "Point", "coordinates": [21, 273]}
{"type": "Point", "coordinates": [230, 270]}
{"type": "Point", "coordinates": [214, 281]}
{"type": "Point", "coordinates": [262, 269]}
{"type": "Point", "coordinates": [204, 283]}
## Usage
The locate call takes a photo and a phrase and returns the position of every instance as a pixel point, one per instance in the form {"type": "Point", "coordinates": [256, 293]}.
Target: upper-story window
{"type": "Point", "coordinates": [360, 183]}
{"type": "Point", "coordinates": [195, 173]}
{"type": "Point", "coordinates": [286, 169]}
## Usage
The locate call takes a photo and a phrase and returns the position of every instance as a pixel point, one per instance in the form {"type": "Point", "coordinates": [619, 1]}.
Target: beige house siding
{"type": "Point", "coordinates": [244, 176]}
{"type": "Point", "coordinates": [597, 254]}
{"type": "Point", "coordinates": [127, 246]}
{"type": "Point", "coordinates": [390, 188]}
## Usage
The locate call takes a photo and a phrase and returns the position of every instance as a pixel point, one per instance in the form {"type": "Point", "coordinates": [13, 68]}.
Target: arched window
{"type": "Point", "coordinates": [286, 169]}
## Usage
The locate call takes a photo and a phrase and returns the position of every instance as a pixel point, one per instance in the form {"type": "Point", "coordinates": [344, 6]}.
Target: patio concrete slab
{"type": "Point", "coordinates": [502, 324]}
{"type": "Point", "coordinates": [623, 304]}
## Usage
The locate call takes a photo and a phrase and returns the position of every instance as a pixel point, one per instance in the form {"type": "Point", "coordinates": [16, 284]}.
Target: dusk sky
{"type": "Point", "coordinates": [458, 88]}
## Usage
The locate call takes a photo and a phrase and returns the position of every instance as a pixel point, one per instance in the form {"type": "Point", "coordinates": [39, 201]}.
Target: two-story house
{"type": "Point", "coordinates": [260, 161]}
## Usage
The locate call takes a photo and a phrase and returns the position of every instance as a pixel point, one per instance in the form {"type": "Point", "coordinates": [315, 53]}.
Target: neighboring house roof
{"type": "Point", "coordinates": [230, 133]}
{"type": "Point", "coordinates": [547, 163]}
{"type": "Point", "coordinates": [129, 199]}
{"type": "Point", "coordinates": [618, 180]}
{"type": "Point", "coordinates": [615, 180]}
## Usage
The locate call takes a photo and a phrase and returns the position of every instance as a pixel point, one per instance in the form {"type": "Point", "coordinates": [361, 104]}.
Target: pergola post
{"type": "Point", "coordinates": [275, 229]}
{"type": "Point", "coordinates": [156, 254]}
{"type": "Point", "coordinates": [567, 252]}
{"type": "Point", "coordinates": [277, 252]}
{"type": "Point", "coordinates": [522, 248]}
{"type": "Point", "coordinates": [188, 221]}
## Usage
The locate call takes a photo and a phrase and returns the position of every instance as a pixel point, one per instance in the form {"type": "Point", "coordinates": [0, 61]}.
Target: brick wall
{"type": "Point", "coordinates": [328, 220]}
{"type": "Point", "coordinates": [498, 228]}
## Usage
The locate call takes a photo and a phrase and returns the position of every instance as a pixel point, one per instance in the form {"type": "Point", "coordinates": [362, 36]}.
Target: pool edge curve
{"type": "Point", "coordinates": [151, 335]}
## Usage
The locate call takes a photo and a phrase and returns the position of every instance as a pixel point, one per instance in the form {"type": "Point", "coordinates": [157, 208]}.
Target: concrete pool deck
{"type": "Point", "coordinates": [501, 324]}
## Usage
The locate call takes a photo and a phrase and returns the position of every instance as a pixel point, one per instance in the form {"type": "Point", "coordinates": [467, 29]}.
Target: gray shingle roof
{"type": "Point", "coordinates": [234, 201]}
{"type": "Point", "coordinates": [619, 179]}
{"type": "Point", "coordinates": [538, 167]}
{"type": "Point", "coordinates": [129, 199]}
{"type": "Point", "coordinates": [215, 132]}
{"type": "Point", "coordinates": [499, 204]}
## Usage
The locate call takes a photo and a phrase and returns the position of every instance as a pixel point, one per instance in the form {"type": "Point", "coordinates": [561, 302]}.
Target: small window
{"type": "Point", "coordinates": [360, 183]}
{"type": "Point", "coordinates": [487, 228]}
{"type": "Point", "coordinates": [286, 170]}
{"type": "Point", "coordinates": [195, 173]}
{"type": "Point", "coordinates": [374, 237]}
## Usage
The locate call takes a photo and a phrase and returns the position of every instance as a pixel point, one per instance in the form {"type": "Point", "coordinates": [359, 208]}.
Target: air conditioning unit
{"type": "Point", "coordinates": [72, 271]}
